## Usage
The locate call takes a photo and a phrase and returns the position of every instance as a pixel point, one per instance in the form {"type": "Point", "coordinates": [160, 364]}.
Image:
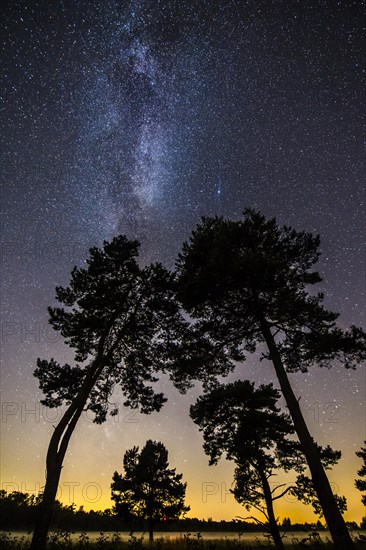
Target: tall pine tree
{"type": "Point", "coordinates": [125, 325]}
{"type": "Point", "coordinates": [246, 284]}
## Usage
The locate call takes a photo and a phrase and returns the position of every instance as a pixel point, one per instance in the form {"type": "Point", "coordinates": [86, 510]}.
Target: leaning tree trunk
{"type": "Point", "coordinates": [45, 510]}
{"type": "Point", "coordinates": [273, 526]}
{"type": "Point", "coordinates": [332, 515]}
{"type": "Point", "coordinates": [56, 453]}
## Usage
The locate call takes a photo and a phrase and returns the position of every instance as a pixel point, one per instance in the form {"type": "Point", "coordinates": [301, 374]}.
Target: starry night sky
{"type": "Point", "coordinates": [139, 117]}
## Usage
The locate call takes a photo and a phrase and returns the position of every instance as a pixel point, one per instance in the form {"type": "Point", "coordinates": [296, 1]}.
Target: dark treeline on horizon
{"type": "Point", "coordinates": [18, 511]}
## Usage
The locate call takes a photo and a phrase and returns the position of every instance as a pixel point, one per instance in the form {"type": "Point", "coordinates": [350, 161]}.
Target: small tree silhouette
{"type": "Point", "coordinates": [148, 489]}
{"type": "Point", "coordinates": [245, 423]}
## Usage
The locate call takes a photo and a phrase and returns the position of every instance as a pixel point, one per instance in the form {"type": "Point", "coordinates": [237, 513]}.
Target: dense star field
{"type": "Point", "coordinates": [139, 117]}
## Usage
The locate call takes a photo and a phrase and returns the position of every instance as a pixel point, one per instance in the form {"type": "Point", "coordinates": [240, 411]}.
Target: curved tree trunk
{"type": "Point", "coordinates": [275, 532]}
{"type": "Point", "coordinates": [332, 515]}
{"type": "Point", "coordinates": [56, 453]}
{"type": "Point", "coordinates": [45, 511]}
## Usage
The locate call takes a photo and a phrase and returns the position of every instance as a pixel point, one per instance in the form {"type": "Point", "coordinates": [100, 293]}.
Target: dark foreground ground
{"type": "Point", "coordinates": [189, 541]}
